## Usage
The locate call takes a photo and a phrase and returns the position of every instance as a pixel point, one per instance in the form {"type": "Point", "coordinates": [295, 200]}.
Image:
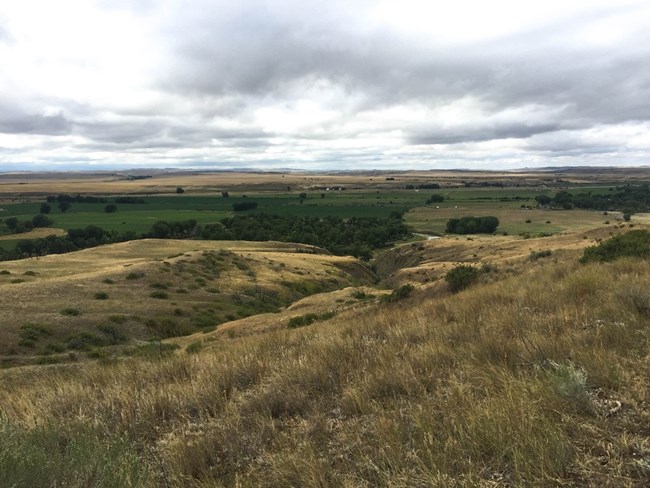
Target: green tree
{"type": "Point", "coordinates": [110, 208]}
{"type": "Point", "coordinates": [41, 220]}
{"type": "Point", "coordinates": [45, 208]}
{"type": "Point", "coordinates": [64, 206]}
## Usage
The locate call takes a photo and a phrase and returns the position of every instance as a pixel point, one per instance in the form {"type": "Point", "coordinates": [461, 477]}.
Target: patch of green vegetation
{"type": "Point", "coordinates": [194, 347]}
{"type": "Point", "coordinates": [635, 243]}
{"type": "Point", "coordinates": [118, 319]}
{"type": "Point", "coordinates": [399, 293]}
{"type": "Point", "coordinates": [72, 312]}
{"type": "Point", "coordinates": [101, 295]}
{"type": "Point", "coordinates": [159, 294]}
{"type": "Point", "coordinates": [31, 333]}
{"type": "Point", "coordinates": [460, 277]}
{"type": "Point", "coordinates": [108, 281]}
{"type": "Point", "coordinates": [84, 341]}
{"type": "Point", "coordinates": [154, 349]}
{"type": "Point", "coordinates": [310, 318]}
{"type": "Point", "coordinates": [535, 255]}
{"type": "Point", "coordinates": [361, 295]}
{"type": "Point", "coordinates": [135, 275]}
{"type": "Point", "coordinates": [113, 334]}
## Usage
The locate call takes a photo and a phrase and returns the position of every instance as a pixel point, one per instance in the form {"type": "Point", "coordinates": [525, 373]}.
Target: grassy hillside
{"type": "Point", "coordinates": [537, 377]}
{"type": "Point", "coordinates": [63, 307]}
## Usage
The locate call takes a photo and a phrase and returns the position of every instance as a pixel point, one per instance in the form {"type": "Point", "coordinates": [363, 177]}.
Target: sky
{"type": "Point", "coordinates": [323, 85]}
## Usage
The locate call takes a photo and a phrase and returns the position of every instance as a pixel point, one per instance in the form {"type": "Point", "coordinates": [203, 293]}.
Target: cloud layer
{"type": "Point", "coordinates": [323, 84]}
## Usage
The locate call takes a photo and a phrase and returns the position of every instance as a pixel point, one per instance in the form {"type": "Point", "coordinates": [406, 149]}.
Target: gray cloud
{"type": "Point", "coordinates": [13, 120]}
{"type": "Point", "coordinates": [221, 64]}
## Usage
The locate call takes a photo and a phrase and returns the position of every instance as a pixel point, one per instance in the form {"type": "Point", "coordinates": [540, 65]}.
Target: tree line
{"type": "Point", "coordinates": [357, 236]}
{"type": "Point", "coordinates": [627, 198]}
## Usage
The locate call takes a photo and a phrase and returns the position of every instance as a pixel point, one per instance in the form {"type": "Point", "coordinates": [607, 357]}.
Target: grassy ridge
{"type": "Point", "coordinates": [534, 380]}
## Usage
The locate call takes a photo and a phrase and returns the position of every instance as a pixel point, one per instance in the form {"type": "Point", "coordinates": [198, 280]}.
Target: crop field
{"type": "Point", "coordinates": [505, 203]}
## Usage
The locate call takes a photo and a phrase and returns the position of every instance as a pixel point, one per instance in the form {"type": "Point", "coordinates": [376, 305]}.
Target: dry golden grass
{"type": "Point", "coordinates": [157, 288]}
{"type": "Point", "coordinates": [538, 379]}
{"type": "Point", "coordinates": [428, 261]}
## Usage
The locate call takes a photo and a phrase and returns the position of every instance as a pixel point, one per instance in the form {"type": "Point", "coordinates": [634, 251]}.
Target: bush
{"type": "Point", "coordinates": [41, 220]}
{"type": "Point", "coordinates": [72, 312]}
{"type": "Point", "coordinates": [635, 243]}
{"type": "Point", "coordinates": [101, 295]}
{"type": "Point", "coordinates": [110, 208]}
{"type": "Point", "coordinates": [534, 256]}
{"type": "Point", "coordinates": [435, 198]}
{"type": "Point", "coordinates": [194, 347]}
{"type": "Point", "coordinates": [161, 295]}
{"type": "Point", "coordinates": [400, 293]}
{"type": "Point", "coordinates": [461, 277]}
{"type": "Point", "coordinates": [310, 318]}
{"type": "Point", "coordinates": [114, 335]}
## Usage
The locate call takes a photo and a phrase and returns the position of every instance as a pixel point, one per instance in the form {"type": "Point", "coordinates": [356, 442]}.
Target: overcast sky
{"type": "Point", "coordinates": [335, 84]}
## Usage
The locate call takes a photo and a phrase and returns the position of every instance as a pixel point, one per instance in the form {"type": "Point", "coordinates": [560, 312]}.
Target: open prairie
{"type": "Point", "coordinates": [190, 362]}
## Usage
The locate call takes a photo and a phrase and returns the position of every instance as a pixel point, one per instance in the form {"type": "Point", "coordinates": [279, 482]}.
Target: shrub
{"type": "Point", "coordinates": [310, 318]}
{"type": "Point", "coordinates": [534, 256]}
{"type": "Point", "coordinates": [134, 275]}
{"type": "Point", "coordinates": [194, 347]}
{"type": "Point", "coordinates": [72, 312]}
{"type": "Point", "coordinates": [114, 335]}
{"type": "Point", "coordinates": [635, 243]}
{"type": "Point", "coordinates": [110, 208]}
{"type": "Point", "coordinates": [435, 198]}
{"type": "Point", "coordinates": [461, 277]}
{"type": "Point", "coordinates": [84, 341]}
{"type": "Point", "coordinates": [159, 294]}
{"type": "Point", "coordinates": [41, 220]}
{"type": "Point", "coordinates": [400, 293]}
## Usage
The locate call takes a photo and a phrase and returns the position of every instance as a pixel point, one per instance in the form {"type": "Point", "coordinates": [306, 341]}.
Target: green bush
{"type": "Point", "coordinates": [310, 318]}
{"type": "Point", "coordinates": [534, 256]}
{"type": "Point", "coordinates": [100, 295]}
{"type": "Point", "coordinates": [72, 312]}
{"type": "Point", "coordinates": [194, 347]}
{"type": "Point", "coordinates": [635, 243]}
{"type": "Point", "coordinates": [461, 277]}
{"type": "Point", "coordinates": [113, 334]}
{"type": "Point", "coordinates": [159, 294]}
{"type": "Point", "coordinates": [400, 293]}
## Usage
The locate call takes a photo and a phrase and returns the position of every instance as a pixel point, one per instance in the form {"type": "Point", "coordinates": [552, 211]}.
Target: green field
{"type": "Point", "coordinates": [503, 202]}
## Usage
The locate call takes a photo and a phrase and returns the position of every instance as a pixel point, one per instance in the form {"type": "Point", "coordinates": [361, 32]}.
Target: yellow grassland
{"type": "Point", "coordinates": [536, 379]}
{"type": "Point", "coordinates": [39, 290]}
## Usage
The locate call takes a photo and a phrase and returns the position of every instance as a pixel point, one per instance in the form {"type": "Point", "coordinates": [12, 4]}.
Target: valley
{"type": "Point", "coordinates": [192, 361]}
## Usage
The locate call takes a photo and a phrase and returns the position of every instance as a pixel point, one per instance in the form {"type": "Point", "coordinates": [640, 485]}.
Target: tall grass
{"type": "Point", "coordinates": [506, 384]}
